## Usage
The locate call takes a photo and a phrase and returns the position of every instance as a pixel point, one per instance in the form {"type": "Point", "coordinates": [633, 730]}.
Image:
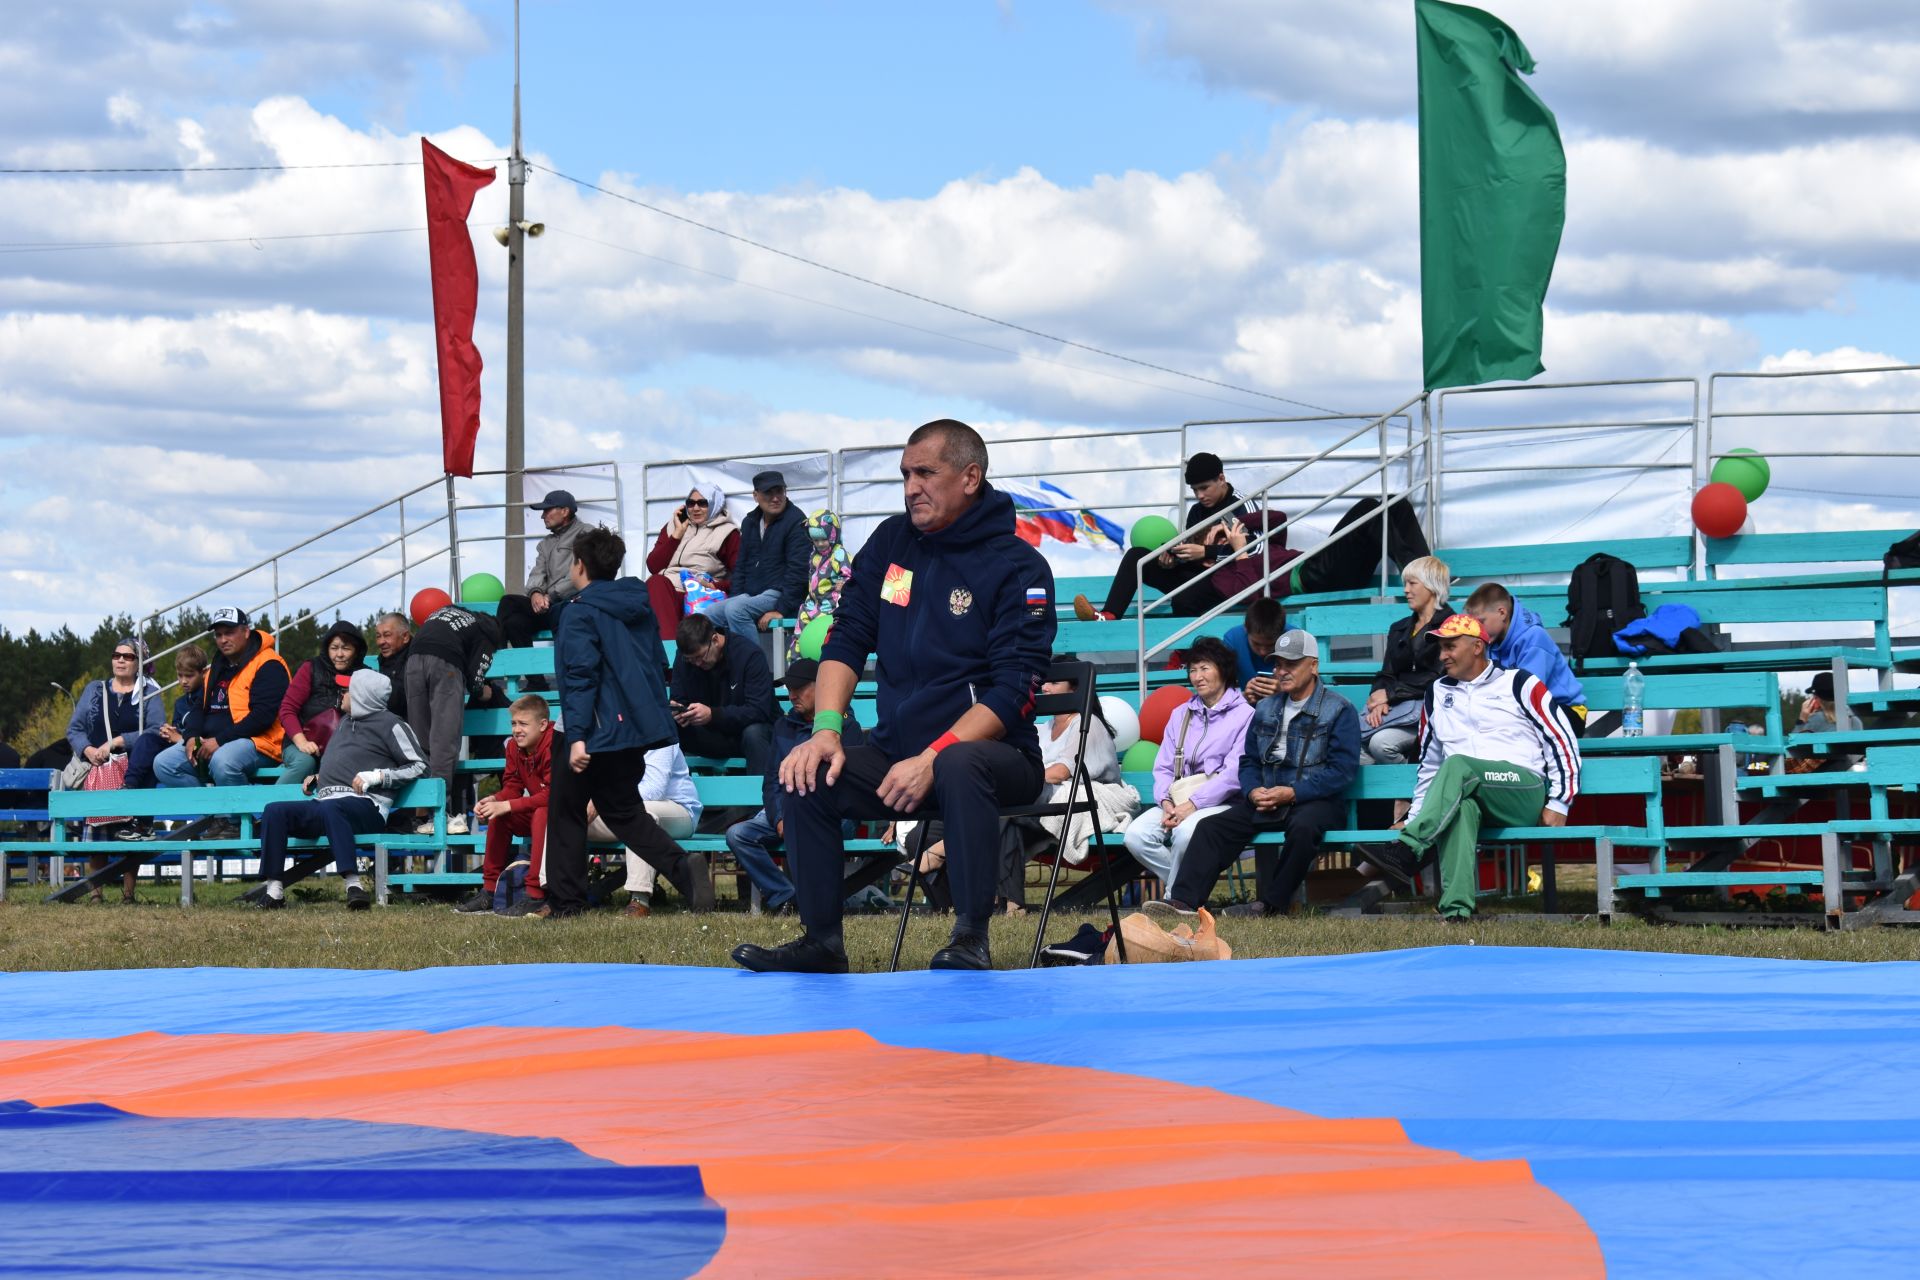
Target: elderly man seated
{"type": "Point", "coordinates": [1302, 752]}
{"type": "Point", "coordinates": [1494, 747]}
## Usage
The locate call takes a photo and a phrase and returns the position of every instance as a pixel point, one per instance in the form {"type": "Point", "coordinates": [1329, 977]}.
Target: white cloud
{"type": "Point", "coordinates": [1697, 73]}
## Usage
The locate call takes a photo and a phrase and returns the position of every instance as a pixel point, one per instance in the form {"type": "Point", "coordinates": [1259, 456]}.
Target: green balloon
{"type": "Point", "coordinates": [813, 636]}
{"type": "Point", "coordinates": [482, 588]}
{"type": "Point", "coordinates": [1140, 757]}
{"type": "Point", "coordinates": [1153, 531]}
{"type": "Point", "coordinates": [1746, 471]}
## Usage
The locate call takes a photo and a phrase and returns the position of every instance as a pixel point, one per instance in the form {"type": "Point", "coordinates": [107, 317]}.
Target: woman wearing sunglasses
{"type": "Point", "coordinates": [695, 552]}
{"type": "Point", "coordinates": [108, 716]}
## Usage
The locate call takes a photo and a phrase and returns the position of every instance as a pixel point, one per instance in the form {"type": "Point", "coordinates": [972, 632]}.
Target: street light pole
{"type": "Point", "coordinates": [515, 513]}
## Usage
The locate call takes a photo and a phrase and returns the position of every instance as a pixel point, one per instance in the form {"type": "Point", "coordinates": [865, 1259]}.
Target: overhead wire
{"type": "Point", "coordinates": [923, 298]}
{"type": "Point", "coordinates": [65, 246]}
{"type": "Point", "coordinates": [902, 324]}
{"type": "Point", "coordinates": [231, 168]}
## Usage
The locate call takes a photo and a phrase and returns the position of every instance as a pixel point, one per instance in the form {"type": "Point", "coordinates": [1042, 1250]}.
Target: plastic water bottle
{"type": "Point", "coordinates": [1632, 717]}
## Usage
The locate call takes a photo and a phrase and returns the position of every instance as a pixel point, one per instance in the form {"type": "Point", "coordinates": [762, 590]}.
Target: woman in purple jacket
{"type": "Point", "coordinates": [1197, 772]}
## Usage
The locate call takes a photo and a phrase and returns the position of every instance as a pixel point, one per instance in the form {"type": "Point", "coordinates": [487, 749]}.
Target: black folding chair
{"type": "Point", "coordinates": [1082, 701]}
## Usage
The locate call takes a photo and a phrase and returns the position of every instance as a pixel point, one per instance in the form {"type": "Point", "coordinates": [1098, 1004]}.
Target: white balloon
{"type": "Point", "coordinates": [1747, 527]}
{"type": "Point", "coordinates": [1124, 719]}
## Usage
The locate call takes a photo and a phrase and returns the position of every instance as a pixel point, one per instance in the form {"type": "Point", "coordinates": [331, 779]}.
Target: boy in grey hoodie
{"type": "Point", "coordinates": [372, 755]}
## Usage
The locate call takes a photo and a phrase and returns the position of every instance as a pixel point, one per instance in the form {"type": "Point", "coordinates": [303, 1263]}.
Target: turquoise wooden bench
{"type": "Point", "coordinates": [242, 803]}
{"type": "Point", "coordinates": [1863, 547]}
{"type": "Point", "coordinates": [31, 783]}
{"type": "Point", "coordinates": [1887, 769]}
{"type": "Point", "coordinates": [716, 792]}
{"type": "Point", "coordinates": [1497, 564]}
{"type": "Point", "coordinates": [1866, 606]}
{"type": "Point", "coordinates": [1598, 777]}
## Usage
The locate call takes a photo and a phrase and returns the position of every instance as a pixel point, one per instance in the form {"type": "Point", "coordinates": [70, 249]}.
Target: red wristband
{"type": "Point", "coordinates": [944, 741]}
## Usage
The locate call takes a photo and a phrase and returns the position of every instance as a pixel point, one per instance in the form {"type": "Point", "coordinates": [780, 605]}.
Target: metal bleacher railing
{"type": "Point", "coordinates": [390, 558]}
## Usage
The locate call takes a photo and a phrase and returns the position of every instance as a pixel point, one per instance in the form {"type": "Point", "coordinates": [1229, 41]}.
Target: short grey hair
{"type": "Point", "coordinates": [1432, 573]}
{"type": "Point", "coordinates": [960, 445]}
{"type": "Point", "coordinates": [400, 620]}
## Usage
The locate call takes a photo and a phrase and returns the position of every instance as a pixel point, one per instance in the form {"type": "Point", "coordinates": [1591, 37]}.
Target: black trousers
{"type": "Point", "coordinates": [755, 743]}
{"type": "Point", "coordinates": [972, 782]}
{"type": "Point", "coordinates": [518, 621]}
{"type": "Point", "coordinates": [1278, 870]}
{"type": "Point", "coordinates": [339, 820]}
{"type": "Point", "coordinates": [612, 783]}
{"type": "Point", "coordinates": [1350, 564]}
{"type": "Point", "coordinates": [1190, 603]}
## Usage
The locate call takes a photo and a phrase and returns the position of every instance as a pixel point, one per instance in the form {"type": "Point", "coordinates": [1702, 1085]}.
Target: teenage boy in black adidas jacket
{"type": "Point", "coordinates": [958, 612]}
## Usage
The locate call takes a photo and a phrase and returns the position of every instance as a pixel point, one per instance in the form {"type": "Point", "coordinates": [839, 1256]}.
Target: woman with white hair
{"type": "Point", "coordinates": [1390, 725]}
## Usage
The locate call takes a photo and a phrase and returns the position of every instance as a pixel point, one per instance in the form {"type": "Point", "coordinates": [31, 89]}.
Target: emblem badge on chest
{"type": "Point", "coordinates": [959, 602]}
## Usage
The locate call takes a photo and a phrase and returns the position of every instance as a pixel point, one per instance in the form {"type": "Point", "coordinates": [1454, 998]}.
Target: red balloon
{"type": "Point", "coordinates": [1159, 708]}
{"type": "Point", "coordinates": [429, 601]}
{"type": "Point", "coordinates": [1719, 510]}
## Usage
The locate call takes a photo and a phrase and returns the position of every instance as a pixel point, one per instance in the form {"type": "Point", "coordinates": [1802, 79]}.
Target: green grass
{"type": "Point", "coordinates": [317, 931]}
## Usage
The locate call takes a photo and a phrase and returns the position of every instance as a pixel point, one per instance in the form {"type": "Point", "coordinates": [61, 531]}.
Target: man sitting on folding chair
{"type": "Point", "coordinates": [958, 612]}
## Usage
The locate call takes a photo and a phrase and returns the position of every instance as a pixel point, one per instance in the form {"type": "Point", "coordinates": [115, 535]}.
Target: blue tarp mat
{"type": "Point", "coordinates": [1711, 1116]}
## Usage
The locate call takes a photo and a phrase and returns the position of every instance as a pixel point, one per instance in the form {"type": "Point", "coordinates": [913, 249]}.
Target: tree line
{"type": "Point", "coordinates": [40, 675]}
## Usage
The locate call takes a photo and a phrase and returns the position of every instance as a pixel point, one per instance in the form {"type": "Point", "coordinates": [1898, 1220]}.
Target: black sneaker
{"type": "Point", "coordinates": [266, 902]}
{"type": "Point", "coordinates": [1395, 861]}
{"type": "Point", "coordinates": [1165, 908]}
{"type": "Point", "coordinates": [222, 829]}
{"type": "Point", "coordinates": [358, 899]}
{"type": "Point", "coordinates": [1089, 946]}
{"type": "Point", "coordinates": [133, 831]}
{"type": "Point", "coordinates": [802, 955]}
{"type": "Point", "coordinates": [475, 903]}
{"type": "Point", "coordinates": [528, 909]}
{"type": "Point", "coordinates": [1248, 910]}
{"type": "Point", "coordinates": [965, 951]}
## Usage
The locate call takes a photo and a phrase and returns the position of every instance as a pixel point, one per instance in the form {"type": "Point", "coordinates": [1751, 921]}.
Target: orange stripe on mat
{"type": "Point", "coordinates": [834, 1154]}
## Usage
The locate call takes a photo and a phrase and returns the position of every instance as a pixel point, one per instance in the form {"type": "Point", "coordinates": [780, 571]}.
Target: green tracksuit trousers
{"type": "Point", "coordinates": [1463, 794]}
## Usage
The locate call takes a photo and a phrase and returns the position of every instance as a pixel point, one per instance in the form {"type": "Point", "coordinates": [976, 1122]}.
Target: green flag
{"type": "Point", "coordinates": [1493, 197]}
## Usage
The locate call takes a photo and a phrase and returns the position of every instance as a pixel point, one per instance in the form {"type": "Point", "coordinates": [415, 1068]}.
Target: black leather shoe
{"type": "Point", "coordinates": [966, 951]}
{"type": "Point", "coordinates": [694, 879]}
{"type": "Point", "coordinates": [802, 955]}
{"type": "Point", "coordinates": [358, 899]}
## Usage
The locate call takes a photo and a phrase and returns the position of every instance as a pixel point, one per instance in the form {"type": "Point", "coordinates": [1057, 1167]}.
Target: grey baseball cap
{"type": "Point", "coordinates": [1295, 645]}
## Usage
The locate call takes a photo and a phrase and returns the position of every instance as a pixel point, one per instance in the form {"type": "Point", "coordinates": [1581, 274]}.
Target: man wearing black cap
{"type": "Point", "coordinates": [1212, 494]}
{"type": "Point", "coordinates": [549, 585]}
{"type": "Point", "coordinates": [770, 577]}
{"type": "Point", "coordinates": [234, 728]}
{"type": "Point", "coordinates": [753, 841]}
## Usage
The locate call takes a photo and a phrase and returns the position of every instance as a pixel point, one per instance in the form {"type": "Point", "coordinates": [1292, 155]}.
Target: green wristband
{"type": "Point", "coordinates": [824, 719]}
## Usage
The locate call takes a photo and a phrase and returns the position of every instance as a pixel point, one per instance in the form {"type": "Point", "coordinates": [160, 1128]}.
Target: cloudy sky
{"type": "Point", "coordinates": [1227, 188]}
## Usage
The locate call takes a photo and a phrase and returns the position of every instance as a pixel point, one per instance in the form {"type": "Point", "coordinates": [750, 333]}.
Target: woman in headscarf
{"type": "Point", "coordinates": [830, 567]}
{"type": "Point", "coordinates": [696, 550]}
{"type": "Point", "coordinates": [108, 717]}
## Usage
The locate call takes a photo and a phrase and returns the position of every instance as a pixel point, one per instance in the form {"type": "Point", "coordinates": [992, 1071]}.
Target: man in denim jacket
{"type": "Point", "coordinates": [1302, 751]}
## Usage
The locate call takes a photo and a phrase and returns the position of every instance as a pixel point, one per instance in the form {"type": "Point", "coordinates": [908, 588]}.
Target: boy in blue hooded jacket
{"type": "Point", "coordinates": [1517, 641]}
{"type": "Point", "coordinates": [958, 612]}
{"type": "Point", "coordinates": [609, 664]}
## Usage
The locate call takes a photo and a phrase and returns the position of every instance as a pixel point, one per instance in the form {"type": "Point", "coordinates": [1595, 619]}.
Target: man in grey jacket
{"type": "Point", "coordinates": [549, 582]}
{"type": "Point", "coordinates": [372, 755]}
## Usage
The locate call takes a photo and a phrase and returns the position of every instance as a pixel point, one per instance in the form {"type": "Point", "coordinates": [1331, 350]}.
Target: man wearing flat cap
{"type": "Point", "coordinates": [550, 581]}
{"type": "Point", "coordinates": [770, 577]}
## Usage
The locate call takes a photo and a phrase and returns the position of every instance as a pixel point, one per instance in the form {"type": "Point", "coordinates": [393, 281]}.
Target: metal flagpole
{"type": "Point", "coordinates": [515, 513]}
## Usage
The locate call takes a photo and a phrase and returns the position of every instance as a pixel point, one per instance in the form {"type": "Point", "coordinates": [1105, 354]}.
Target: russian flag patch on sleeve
{"type": "Point", "coordinates": [1036, 600]}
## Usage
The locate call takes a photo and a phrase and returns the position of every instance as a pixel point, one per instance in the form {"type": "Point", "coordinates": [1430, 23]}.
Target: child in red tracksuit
{"type": "Point", "coordinates": [519, 807]}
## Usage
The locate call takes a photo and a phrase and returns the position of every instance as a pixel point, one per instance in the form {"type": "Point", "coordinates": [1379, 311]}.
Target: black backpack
{"type": "Point", "coordinates": [1603, 597]}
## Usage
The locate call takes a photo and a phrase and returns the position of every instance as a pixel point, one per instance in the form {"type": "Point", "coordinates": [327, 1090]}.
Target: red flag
{"type": "Point", "coordinates": [456, 288]}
